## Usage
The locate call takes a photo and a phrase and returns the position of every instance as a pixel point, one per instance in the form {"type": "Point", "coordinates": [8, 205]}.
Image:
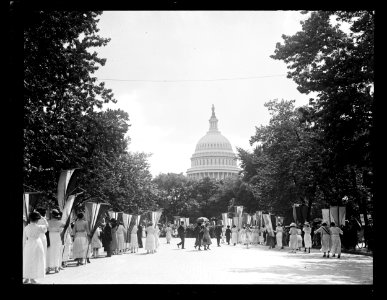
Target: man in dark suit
{"type": "Point", "coordinates": [181, 234]}
{"type": "Point", "coordinates": [139, 235]}
{"type": "Point", "coordinates": [218, 233]}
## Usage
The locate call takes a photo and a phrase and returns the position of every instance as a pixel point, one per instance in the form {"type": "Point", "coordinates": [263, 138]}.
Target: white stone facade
{"type": "Point", "coordinates": [213, 155]}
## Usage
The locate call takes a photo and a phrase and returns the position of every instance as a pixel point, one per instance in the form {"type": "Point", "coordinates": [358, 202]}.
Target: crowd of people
{"type": "Point", "coordinates": [49, 246]}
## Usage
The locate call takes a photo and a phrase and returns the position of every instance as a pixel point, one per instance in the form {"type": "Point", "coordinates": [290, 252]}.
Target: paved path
{"type": "Point", "coordinates": [220, 265]}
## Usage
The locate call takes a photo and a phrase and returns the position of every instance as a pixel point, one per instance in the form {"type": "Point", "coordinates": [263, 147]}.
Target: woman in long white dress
{"type": "Point", "coordinates": [307, 236]}
{"type": "Point", "coordinates": [121, 231]}
{"type": "Point", "coordinates": [150, 241]}
{"type": "Point", "coordinates": [168, 234]}
{"type": "Point", "coordinates": [96, 242]}
{"type": "Point", "coordinates": [134, 240]}
{"type": "Point", "coordinates": [81, 241]}
{"type": "Point", "coordinates": [248, 235]}
{"type": "Point", "coordinates": [66, 256]}
{"type": "Point", "coordinates": [325, 238]}
{"type": "Point", "coordinates": [299, 239]}
{"type": "Point", "coordinates": [293, 237]}
{"type": "Point", "coordinates": [54, 251]}
{"type": "Point", "coordinates": [279, 232]}
{"type": "Point", "coordinates": [43, 221]}
{"type": "Point", "coordinates": [34, 260]}
{"type": "Point", "coordinates": [234, 235]}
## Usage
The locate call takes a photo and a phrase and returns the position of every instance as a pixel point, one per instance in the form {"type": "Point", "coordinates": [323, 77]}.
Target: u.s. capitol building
{"type": "Point", "coordinates": [213, 155]}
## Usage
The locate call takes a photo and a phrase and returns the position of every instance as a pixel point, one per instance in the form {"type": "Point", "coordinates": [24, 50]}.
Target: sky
{"type": "Point", "coordinates": [167, 68]}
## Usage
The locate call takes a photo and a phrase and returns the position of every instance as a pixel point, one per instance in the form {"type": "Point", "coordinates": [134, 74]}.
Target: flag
{"type": "Point", "coordinates": [334, 214]}
{"type": "Point", "coordinates": [63, 182]}
{"type": "Point", "coordinates": [268, 224]}
{"type": "Point", "coordinates": [155, 217]}
{"type": "Point", "coordinates": [238, 211]}
{"type": "Point", "coordinates": [94, 214]}
{"type": "Point", "coordinates": [229, 222]}
{"type": "Point", "coordinates": [225, 219]}
{"type": "Point", "coordinates": [66, 215]}
{"type": "Point", "coordinates": [187, 221]}
{"type": "Point", "coordinates": [342, 213]}
{"type": "Point", "coordinates": [138, 220]}
{"type": "Point", "coordinates": [132, 223]}
{"type": "Point", "coordinates": [326, 215]}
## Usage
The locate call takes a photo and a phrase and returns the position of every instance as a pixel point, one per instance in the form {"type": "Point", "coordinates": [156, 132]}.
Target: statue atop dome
{"type": "Point", "coordinates": [213, 120]}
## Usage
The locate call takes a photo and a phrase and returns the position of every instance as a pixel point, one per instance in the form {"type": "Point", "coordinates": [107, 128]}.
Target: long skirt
{"type": "Point", "coordinates": [279, 239]}
{"type": "Point", "coordinates": [234, 237]}
{"type": "Point", "coordinates": [44, 242]}
{"type": "Point", "coordinates": [261, 240]}
{"type": "Point", "coordinates": [54, 251]}
{"type": "Point", "coordinates": [206, 240]}
{"type": "Point", "coordinates": [150, 242]}
{"type": "Point", "coordinates": [80, 245]}
{"type": "Point", "coordinates": [157, 241]}
{"type": "Point", "coordinates": [325, 243]}
{"type": "Point", "coordinates": [121, 241]}
{"type": "Point", "coordinates": [336, 244]}
{"type": "Point", "coordinates": [293, 242]}
{"type": "Point", "coordinates": [133, 241]}
{"type": "Point", "coordinates": [34, 260]}
{"type": "Point", "coordinates": [307, 240]}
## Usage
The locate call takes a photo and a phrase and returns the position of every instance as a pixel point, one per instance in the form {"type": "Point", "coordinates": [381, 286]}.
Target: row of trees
{"type": "Point", "coordinates": [317, 154]}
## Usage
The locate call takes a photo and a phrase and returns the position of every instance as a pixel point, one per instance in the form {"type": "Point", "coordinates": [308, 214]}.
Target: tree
{"type": "Point", "coordinates": [59, 92]}
{"type": "Point", "coordinates": [339, 67]}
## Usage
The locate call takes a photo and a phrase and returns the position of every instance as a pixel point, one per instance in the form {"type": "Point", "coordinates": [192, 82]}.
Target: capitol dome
{"type": "Point", "coordinates": [213, 155]}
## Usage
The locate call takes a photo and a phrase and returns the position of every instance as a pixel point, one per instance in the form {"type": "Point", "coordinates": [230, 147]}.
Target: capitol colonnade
{"type": "Point", "coordinates": [214, 156]}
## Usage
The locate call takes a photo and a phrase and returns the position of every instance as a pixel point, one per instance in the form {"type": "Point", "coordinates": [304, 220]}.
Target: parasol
{"type": "Point", "coordinates": [202, 219]}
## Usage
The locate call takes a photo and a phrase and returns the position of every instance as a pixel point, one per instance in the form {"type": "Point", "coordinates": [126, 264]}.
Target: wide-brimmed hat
{"type": "Point", "coordinates": [292, 224]}
{"type": "Point", "coordinates": [306, 223]}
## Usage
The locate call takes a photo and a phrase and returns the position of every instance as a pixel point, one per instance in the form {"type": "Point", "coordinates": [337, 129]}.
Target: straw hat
{"type": "Point", "coordinates": [306, 223]}
{"type": "Point", "coordinates": [292, 224]}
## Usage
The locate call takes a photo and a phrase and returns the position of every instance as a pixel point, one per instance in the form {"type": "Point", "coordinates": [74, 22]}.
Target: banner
{"type": "Point", "coordinates": [187, 221]}
{"type": "Point", "coordinates": [236, 222]}
{"type": "Point", "coordinates": [64, 179]}
{"type": "Point", "coordinates": [113, 215]}
{"type": "Point", "coordinates": [132, 223]}
{"type": "Point", "coordinates": [26, 204]}
{"type": "Point", "coordinates": [238, 211]}
{"type": "Point", "coordinates": [225, 219]}
{"type": "Point", "coordinates": [259, 218]}
{"type": "Point", "coordinates": [294, 213]}
{"type": "Point", "coordinates": [120, 217]}
{"type": "Point", "coordinates": [138, 220]}
{"type": "Point", "coordinates": [229, 222]}
{"type": "Point", "coordinates": [268, 224]}
{"type": "Point", "coordinates": [326, 215]}
{"type": "Point", "coordinates": [249, 219]}
{"type": "Point", "coordinates": [155, 217]}
{"type": "Point", "coordinates": [176, 220]}
{"type": "Point", "coordinates": [334, 214]}
{"type": "Point", "coordinates": [66, 215]}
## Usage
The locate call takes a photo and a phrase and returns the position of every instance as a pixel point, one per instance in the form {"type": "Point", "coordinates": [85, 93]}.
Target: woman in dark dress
{"type": "Point", "coordinates": [206, 237]}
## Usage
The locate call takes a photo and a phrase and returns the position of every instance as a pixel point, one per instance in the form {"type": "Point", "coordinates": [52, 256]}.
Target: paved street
{"type": "Point", "coordinates": [220, 265]}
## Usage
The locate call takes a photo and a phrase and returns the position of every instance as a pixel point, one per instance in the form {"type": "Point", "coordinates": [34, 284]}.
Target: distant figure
{"type": "Point", "coordinates": [150, 242]}
{"type": "Point", "coordinates": [114, 244]}
{"type": "Point", "coordinates": [299, 239]}
{"type": "Point", "coordinates": [121, 233]}
{"type": "Point", "coordinates": [81, 232]}
{"type": "Point", "coordinates": [34, 260]}
{"type": "Point", "coordinates": [181, 233]}
{"type": "Point", "coordinates": [134, 239]}
{"type": "Point", "coordinates": [168, 233]}
{"type": "Point", "coordinates": [198, 232]}
{"type": "Point", "coordinates": [107, 238]}
{"type": "Point", "coordinates": [293, 238]}
{"type": "Point", "coordinates": [335, 240]}
{"type": "Point", "coordinates": [218, 233]}
{"type": "Point", "coordinates": [96, 243]}
{"type": "Point", "coordinates": [206, 237]}
{"type": "Point", "coordinates": [43, 236]}
{"type": "Point", "coordinates": [223, 233]}
{"type": "Point", "coordinates": [248, 235]}
{"type": "Point", "coordinates": [139, 235]}
{"type": "Point", "coordinates": [279, 232]}
{"type": "Point", "coordinates": [307, 236]}
{"type": "Point", "coordinates": [325, 238]}
{"type": "Point", "coordinates": [234, 235]}
{"type": "Point", "coordinates": [228, 234]}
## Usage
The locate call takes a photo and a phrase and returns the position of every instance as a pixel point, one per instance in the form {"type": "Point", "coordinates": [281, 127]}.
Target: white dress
{"type": "Point", "coordinates": [150, 242]}
{"type": "Point", "coordinates": [54, 251]}
{"type": "Point", "coordinates": [81, 242]}
{"type": "Point", "coordinates": [43, 221]}
{"type": "Point", "coordinates": [299, 238]}
{"type": "Point", "coordinates": [68, 245]}
{"type": "Point", "coordinates": [121, 237]}
{"type": "Point", "coordinates": [95, 241]}
{"type": "Point", "coordinates": [234, 235]}
{"type": "Point", "coordinates": [133, 238]}
{"type": "Point", "coordinates": [34, 260]}
{"type": "Point", "coordinates": [157, 236]}
{"type": "Point", "coordinates": [307, 237]}
{"type": "Point", "coordinates": [279, 231]}
{"type": "Point", "coordinates": [168, 234]}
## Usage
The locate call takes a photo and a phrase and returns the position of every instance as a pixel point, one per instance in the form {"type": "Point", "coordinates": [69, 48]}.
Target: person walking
{"type": "Point", "coordinates": [139, 235]}
{"type": "Point", "coordinates": [114, 244]}
{"type": "Point", "coordinates": [234, 235]}
{"type": "Point", "coordinates": [242, 235]}
{"type": "Point", "coordinates": [335, 240]}
{"type": "Point", "coordinates": [168, 233]}
{"type": "Point", "coordinates": [54, 253]}
{"type": "Point", "coordinates": [293, 238]}
{"type": "Point", "coordinates": [107, 237]}
{"type": "Point", "coordinates": [228, 234]}
{"type": "Point", "coordinates": [181, 234]}
{"type": "Point", "coordinates": [34, 259]}
{"type": "Point", "coordinates": [150, 242]}
{"type": "Point", "coordinates": [299, 239]}
{"type": "Point", "coordinates": [96, 243]}
{"type": "Point", "coordinates": [325, 238]}
{"type": "Point", "coordinates": [121, 232]}
{"type": "Point", "coordinates": [198, 233]}
{"type": "Point", "coordinates": [43, 236]}
{"type": "Point", "coordinates": [206, 237]}
{"type": "Point", "coordinates": [279, 232]}
{"type": "Point", "coordinates": [218, 233]}
{"type": "Point", "coordinates": [134, 240]}
{"type": "Point", "coordinates": [81, 242]}
{"type": "Point", "coordinates": [307, 236]}
{"type": "Point", "coordinates": [157, 237]}
{"type": "Point", "coordinates": [223, 233]}
{"type": "Point", "coordinates": [248, 235]}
